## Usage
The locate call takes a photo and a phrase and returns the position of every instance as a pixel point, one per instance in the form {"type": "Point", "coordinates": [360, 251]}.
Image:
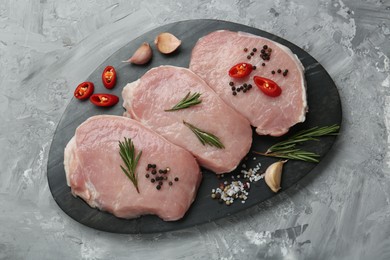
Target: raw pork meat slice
{"type": "Point", "coordinates": [92, 166]}
{"type": "Point", "coordinates": [161, 88]}
{"type": "Point", "coordinates": [215, 53]}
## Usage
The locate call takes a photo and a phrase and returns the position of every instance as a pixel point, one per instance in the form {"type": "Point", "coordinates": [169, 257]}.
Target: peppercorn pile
{"type": "Point", "coordinates": [159, 176]}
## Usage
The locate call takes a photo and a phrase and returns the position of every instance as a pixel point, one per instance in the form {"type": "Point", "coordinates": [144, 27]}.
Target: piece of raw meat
{"type": "Point", "coordinates": [92, 165]}
{"type": "Point", "coordinates": [161, 88]}
{"type": "Point", "coordinates": [215, 53]}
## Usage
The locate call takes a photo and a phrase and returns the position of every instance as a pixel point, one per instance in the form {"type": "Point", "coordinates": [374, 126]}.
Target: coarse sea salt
{"type": "Point", "coordinates": [237, 189]}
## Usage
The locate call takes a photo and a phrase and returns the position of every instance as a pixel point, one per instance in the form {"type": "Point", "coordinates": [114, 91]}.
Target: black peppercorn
{"type": "Point", "coordinates": [263, 64]}
{"type": "Point", "coordinates": [231, 83]}
{"type": "Point", "coordinates": [233, 88]}
{"type": "Point", "coordinates": [273, 72]}
{"type": "Point", "coordinates": [234, 93]}
{"type": "Point", "coordinates": [245, 49]}
{"type": "Point", "coordinates": [176, 179]}
{"type": "Point", "coordinates": [152, 180]}
{"type": "Point", "coordinates": [160, 183]}
{"type": "Point", "coordinates": [158, 187]}
{"type": "Point", "coordinates": [252, 53]}
{"type": "Point", "coordinates": [170, 183]}
{"type": "Point", "coordinates": [265, 47]}
{"type": "Point", "coordinates": [248, 57]}
{"type": "Point", "coordinates": [254, 67]}
{"type": "Point", "coordinates": [254, 49]}
{"type": "Point", "coordinates": [147, 175]}
{"type": "Point", "coordinates": [279, 70]}
{"type": "Point", "coordinates": [154, 172]}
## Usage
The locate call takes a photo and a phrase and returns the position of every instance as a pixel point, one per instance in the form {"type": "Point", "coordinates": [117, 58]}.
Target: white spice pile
{"type": "Point", "coordinates": [238, 188]}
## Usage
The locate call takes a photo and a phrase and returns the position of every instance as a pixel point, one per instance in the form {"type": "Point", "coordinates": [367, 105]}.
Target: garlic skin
{"type": "Point", "coordinates": [273, 175]}
{"type": "Point", "coordinates": [142, 55]}
{"type": "Point", "coordinates": [167, 43]}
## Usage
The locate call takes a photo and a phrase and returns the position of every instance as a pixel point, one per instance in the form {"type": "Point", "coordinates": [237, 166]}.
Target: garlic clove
{"type": "Point", "coordinates": [167, 43]}
{"type": "Point", "coordinates": [273, 175]}
{"type": "Point", "coordinates": [142, 55]}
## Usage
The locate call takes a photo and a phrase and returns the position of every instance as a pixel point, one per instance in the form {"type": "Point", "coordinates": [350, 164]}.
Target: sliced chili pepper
{"type": "Point", "coordinates": [84, 90]}
{"type": "Point", "coordinates": [267, 86]}
{"type": "Point", "coordinates": [104, 100]}
{"type": "Point", "coordinates": [109, 77]}
{"type": "Point", "coordinates": [240, 70]}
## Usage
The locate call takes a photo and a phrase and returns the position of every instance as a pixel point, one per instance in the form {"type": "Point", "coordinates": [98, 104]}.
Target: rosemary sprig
{"type": "Point", "coordinates": [294, 154]}
{"type": "Point", "coordinates": [188, 101]}
{"type": "Point", "coordinates": [287, 149]}
{"type": "Point", "coordinates": [204, 137]}
{"type": "Point", "coordinates": [127, 153]}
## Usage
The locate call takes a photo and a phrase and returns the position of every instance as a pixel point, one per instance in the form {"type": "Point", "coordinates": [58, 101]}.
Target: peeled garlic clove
{"type": "Point", "coordinates": [167, 43]}
{"type": "Point", "coordinates": [142, 55]}
{"type": "Point", "coordinates": [273, 175]}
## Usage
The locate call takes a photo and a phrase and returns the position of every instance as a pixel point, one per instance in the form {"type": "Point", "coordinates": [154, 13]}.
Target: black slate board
{"type": "Point", "coordinates": [324, 109]}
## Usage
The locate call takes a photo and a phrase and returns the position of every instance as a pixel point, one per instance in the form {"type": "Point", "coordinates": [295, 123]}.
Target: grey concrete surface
{"type": "Point", "coordinates": [341, 211]}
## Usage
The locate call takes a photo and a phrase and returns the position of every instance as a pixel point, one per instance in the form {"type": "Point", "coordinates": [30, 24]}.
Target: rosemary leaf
{"type": "Point", "coordinates": [312, 157]}
{"type": "Point", "coordinates": [303, 136]}
{"type": "Point", "coordinates": [287, 149]}
{"type": "Point", "coordinates": [188, 101]}
{"type": "Point", "coordinates": [204, 137]}
{"type": "Point", "coordinates": [127, 153]}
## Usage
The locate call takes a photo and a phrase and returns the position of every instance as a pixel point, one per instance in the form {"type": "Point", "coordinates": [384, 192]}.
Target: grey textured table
{"type": "Point", "coordinates": [342, 211]}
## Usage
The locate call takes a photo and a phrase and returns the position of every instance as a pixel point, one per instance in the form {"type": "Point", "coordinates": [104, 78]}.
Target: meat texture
{"type": "Point", "coordinates": [161, 88]}
{"type": "Point", "coordinates": [215, 53]}
{"type": "Point", "coordinates": [92, 166]}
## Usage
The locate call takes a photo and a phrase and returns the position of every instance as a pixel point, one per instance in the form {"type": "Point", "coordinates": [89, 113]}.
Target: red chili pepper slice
{"type": "Point", "coordinates": [269, 87]}
{"type": "Point", "coordinates": [104, 100]}
{"type": "Point", "coordinates": [240, 70]}
{"type": "Point", "coordinates": [109, 77]}
{"type": "Point", "coordinates": [84, 90]}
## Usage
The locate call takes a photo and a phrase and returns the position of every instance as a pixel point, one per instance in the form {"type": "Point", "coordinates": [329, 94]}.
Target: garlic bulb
{"type": "Point", "coordinates": [142, 55]}
{"type": "Point", "coordinates": [273, 175]}
{"type": "Point", "coordinates": [167, 43]}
